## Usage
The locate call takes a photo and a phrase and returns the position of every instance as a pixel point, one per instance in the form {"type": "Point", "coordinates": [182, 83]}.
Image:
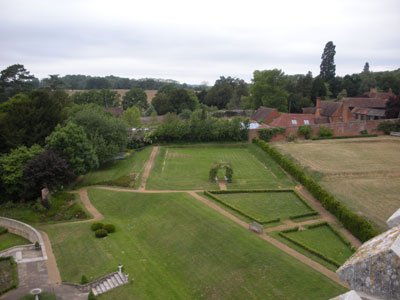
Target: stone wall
{"type": "Point", "coordinates": [349, 128]}
{"type": "Point", "coordinates": [24, 230]}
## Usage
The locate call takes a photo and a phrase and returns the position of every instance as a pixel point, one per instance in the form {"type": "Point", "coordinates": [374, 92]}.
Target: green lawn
{"type": "Point", "coordinates": [323, 240]}
{"type": "Point", "coordinates": [175, 247]}
{"type": "Point", "coordinates": [8, 240]}
{"type": "Point", "coordinates": [187, 168]}
{"type": "Point", "coordinates": [118, 168]}
{"type": "Point", "coordinates": [268, 205]}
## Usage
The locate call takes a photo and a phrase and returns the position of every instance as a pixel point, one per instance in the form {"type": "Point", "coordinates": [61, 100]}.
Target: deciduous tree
{"type": "Point", "coordinates": [135, 97]}
{"type": "Point", "coordinates": [132, 117]}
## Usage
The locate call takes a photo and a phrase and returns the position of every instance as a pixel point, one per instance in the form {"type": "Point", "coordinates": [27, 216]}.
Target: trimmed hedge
{"type": "Point", "coordinates": [100, 233]}
{"type": "Point", "coordinates": [209, 194]}
{"type": "Point", "coordinates": [356, 224]}
{"type": "Point", "coordinates": [309, 214]}
{"type": "Point", "coordinates": [338, 137]}
{"type": "Point", "coordinates": [293, 229]}
{"type": "Point", "coordinates": [315, 252]}
{"type": "Point", "coordinates": [110, 228]}
{"type": "Point", "coordinates": [14, 274]}
{"type": "Point", "coordinates": [334, 230]}
{"type": "Point", "coordinates": [250, 191]}
{"type": "Point", "coordinates": [96, 226]}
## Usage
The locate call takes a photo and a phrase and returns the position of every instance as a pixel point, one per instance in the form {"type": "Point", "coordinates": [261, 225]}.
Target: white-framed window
{"type": "Point", "coordinates": [306, 122]}
{"type": "Point", "coordinates": [294, 122]}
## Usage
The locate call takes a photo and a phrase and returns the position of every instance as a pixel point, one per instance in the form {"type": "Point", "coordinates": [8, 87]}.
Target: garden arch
{"type": "Point", "coordinates": [221, 165]}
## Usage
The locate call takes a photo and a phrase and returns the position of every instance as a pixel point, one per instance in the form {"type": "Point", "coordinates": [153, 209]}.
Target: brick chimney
{"type": "Point", "coordinates": [317, 108]}
{"type": "Point", "coordinates": [345, 111]}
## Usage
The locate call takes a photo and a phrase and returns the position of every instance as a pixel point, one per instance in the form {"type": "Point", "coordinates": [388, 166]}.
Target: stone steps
{"type": "Point", "coordinates": [109, 282]}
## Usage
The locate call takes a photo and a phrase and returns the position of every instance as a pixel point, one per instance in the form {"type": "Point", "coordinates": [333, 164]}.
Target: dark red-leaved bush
{"type": "Point", "coordinates": [48, 169]}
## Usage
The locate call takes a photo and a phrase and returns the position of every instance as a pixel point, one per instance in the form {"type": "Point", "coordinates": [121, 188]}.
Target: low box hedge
{"type": "Point", "coordinates": [356, 224]}
{"type": "Point", "coordinates": [315, 252]}
{"type": "Point", "coordinates": [338, 137]}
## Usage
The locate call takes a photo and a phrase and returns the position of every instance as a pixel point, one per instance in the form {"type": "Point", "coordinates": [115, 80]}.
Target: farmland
{"type": "Point", "coordinates": [363, 174]}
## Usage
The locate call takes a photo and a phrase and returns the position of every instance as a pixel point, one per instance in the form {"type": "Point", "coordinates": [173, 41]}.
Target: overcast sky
{"type": "Point", "coordinates": [197, 41]}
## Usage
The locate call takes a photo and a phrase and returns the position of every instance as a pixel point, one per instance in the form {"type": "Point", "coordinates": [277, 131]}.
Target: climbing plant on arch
{"type": "Point", "coordinates": [221, 165]}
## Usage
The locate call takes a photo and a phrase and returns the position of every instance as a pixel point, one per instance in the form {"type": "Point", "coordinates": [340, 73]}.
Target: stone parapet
{"type": "Point", "coordinates": [24, 230]}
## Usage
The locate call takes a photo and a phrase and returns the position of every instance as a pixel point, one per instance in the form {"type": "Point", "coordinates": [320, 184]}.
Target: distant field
{"type": "Point", "coordinates": [363, 173]}
{"type": "Point", "coordinates": [187, 168]}
{"type": "Point", "coordinates": [175, 247]}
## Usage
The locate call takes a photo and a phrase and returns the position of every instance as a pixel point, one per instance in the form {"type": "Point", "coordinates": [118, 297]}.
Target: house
{"type": "Point", "coordinates": [289, 120]}
{"type": "Point", "coordinates": [265, 115]}
{"type": "Point", "coordinates": [369, 106]}
{"type": "Point", "coordinates": [330, 112]}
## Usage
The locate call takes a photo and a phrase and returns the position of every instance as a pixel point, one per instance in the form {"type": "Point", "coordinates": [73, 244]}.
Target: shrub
{"type": "Point", "coordinates": [363, 132]}
{"type": "Point", "coordinates": [84, 280]}
{"type": "Point", "coordinates": [96, 226]}
{"type": "Point", "coordinates": [324, 131]}
{"type": "Point", "coordinates": [305, 130]}
{"type": "Point", "coordinates": [91, 296]}
{"type": "Point", "coordinates": [268, 133]}
{"type": "Point", "coordinates": [291, 137]}
{"type": "Point", "coordinates": [110, 228]}
{"type": "Point", "coordinates": [100, 233]}
{"type": "Point", "coordinates": [339, 137]}
{"type": "Point", "coordinates": [389, 126]}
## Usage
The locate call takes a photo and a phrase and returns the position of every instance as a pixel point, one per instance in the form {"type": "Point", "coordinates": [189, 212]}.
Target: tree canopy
{"type": "Point", "coordinates": [328, 67]}
{"type": "Point", "coordinates": [269, 89]}
{"type": "Point", "coordinates": [171, 99]}
{"type": "Point", "coordinates": [14, 80]}
{"type": "Point", "coordinates": [135, 97]}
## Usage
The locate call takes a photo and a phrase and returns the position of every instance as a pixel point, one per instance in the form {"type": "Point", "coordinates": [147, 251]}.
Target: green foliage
{"type": "Point", "coordinates": [171, 99]}
{"type": "Point", "coordinates": [325, 132]}
{"type": "Point", "coordinates": [135, 97]}
{"type": "Point", "coordinates": [100, 233]}
{"type": "Point", "coordinates": [15, 79]}
{"type": "Point", "coordinates": [198, 130]}
{"type": "Point", "coordinates": [84, 280]}
{"type": "Point", "coordinates": [339, 137]}
{"type": "Point", "coordinates": [71, 142]}
{"type": "Point", "coordinates": [389, 126]}
{"type": "Point", "coordinates": [227, 91]}
{"type": "Point", "coordinates": [328, 67]}
{"type": "Point", "coordinates": [103, 97]}
{"type": "Point", "coordinates": [132, 117]}
{"type": "Point", "coordinates": [96, 226]}
{"type": "Point", "coordinates": [291, 137]}
{"type": "Point", "coordinates": [221, 165]}
{"type": "Point", "coordinates": [269, 90]}
{"type": "Point", "coordinates": [392, 110]}
{"type": "Point", "coordinates": [28, 119]}
{"type": "Point", "coordinates": [305, 130]}
{"type": "Point", "coordinates": [267, 134]}
{"type": "Point", "coordinates": [356, 224]}
{"type": "Point", "coordinates": [110, 228]}
{"type": "Point", "coordinates": [108, 135]}
{"type": "Point", "coordinates": [11, 168]}
{"type": "Point", "coordinates": [91, 296]}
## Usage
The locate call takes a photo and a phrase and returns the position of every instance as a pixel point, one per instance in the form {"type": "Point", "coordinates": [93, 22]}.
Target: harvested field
{"type": "Point", "coordinates": [362, 173]}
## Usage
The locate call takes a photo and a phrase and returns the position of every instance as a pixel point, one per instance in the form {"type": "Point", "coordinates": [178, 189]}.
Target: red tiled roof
{"type": "Point", "coordinates": [308, 110]}
{"type": "Point", "coordinates": [328, 108]}
{"type": "Point", "coordinates": [262, 113]}
{"type": "Point", "coordinates": [288, 120]}
{"type": "Point", "coordinates": [368, 111]}
{"type": "Point", "coordinates": [365, 102]}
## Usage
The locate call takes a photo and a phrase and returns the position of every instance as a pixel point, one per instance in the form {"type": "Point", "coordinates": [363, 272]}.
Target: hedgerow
{"type": "Point", "coordinates": [356, 224]}
{"type": "Point", "coordinates": [338, 137]}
